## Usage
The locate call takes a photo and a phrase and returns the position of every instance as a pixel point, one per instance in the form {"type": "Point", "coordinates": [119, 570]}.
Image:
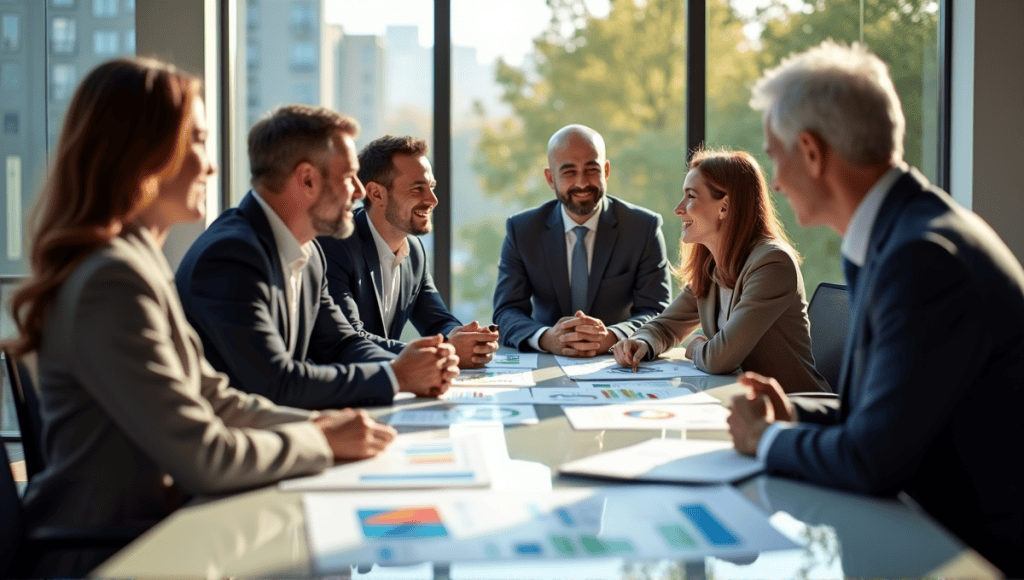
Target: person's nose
{"type": "Point", "coordinates": [358, 191]}
{"type": "Point", "coordinates": [431, 198]}
{"type": "Point", "coordinates": [681, 208]}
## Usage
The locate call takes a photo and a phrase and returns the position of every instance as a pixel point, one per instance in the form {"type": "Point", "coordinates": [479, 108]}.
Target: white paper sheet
{"type": "Point", "coordinates": [488, 395]}
{"type": "Point", "coordinates": [408, 463]}
{"type": "Point", "coordinates": [448, 414]}
{"type": "Point", "coordinates": [604, 368]}
{"type": "Point", "coordinates": [698, 417]}
{"type": "Point", "coordinates": [494, 377]}
{"type": "Point", "coordinates": [516, 361]}
{"type": "Point", "coordinates": [662, 392]}
{"type": "Point", "coordinates": [671, 460]}
{"type": "Point", "coordinates": [635, 522]}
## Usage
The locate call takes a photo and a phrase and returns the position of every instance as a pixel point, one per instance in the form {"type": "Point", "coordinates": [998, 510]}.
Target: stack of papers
{"type": "Point", "coordinates": [669, 460]}
{"type": "Point", "coordinates": [699, 417]}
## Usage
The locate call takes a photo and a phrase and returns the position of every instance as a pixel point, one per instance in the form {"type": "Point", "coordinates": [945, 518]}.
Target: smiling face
{"type": "Point", "coordinates": [331, 213]}
{"type": "Point", "coordinates": [701, 214]}
{"type": "Point", "coordinates": [410, 202]}
{"type": "Point", "coordinates": [182, 196]}
{"type": "Point", "coordinates": [578, 173]}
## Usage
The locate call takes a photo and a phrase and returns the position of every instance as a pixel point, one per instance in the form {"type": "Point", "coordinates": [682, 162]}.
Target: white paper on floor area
{"type": "Point", "coordinates": [493, 395]}
{"type": "Point", "coordinates": [506, 474]}
{"type": "Point", "coordinates": [662, 392]}
{"type": "Point", "coordinates": [450, 414]}
{"type": "Point", "coordinates": [647, 416]}
{"type": "Point", "coordinates": [604, 368]}
{"type": "Point", "coordinates": [671, 460]}
{"type": "Point", "coordinates": [518, 361]}
{"type": "Point", "coordinates": [634, 522]}
{"type": "Point", "coordinates": [495, 377]}
{"type": "Point", "coordinates": [409, 462]}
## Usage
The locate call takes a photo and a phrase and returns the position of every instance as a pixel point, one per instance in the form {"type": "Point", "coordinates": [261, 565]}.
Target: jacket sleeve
{"type": "Point", "coordinates": [512, 306]}
{"type": "Point", "coordinates": [673, 325]}
{"type": "Point", "coordinates": [126, 359]}
{"type": "Point", "coordinates": [652, 288]}
{"type": "Point", "coordinates": [229, 303]}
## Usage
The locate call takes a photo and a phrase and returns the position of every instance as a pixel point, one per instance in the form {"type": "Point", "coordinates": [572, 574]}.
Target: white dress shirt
{"type": "Point", "coordinates": [570, 242]}
{"type": "Point", "coordinates": [294, 258]}
{"type": "Point", "coordinates": [391, 275]}
{"type": "Point", "coordinates": [855, 249]}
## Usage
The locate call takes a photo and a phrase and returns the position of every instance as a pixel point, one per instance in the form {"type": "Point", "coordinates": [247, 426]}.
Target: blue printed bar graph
{"type": "Point", "coordinates": [709, 526]}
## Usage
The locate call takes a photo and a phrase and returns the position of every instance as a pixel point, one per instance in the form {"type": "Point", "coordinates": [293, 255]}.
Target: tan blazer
{"type": "Point", "coordinates": [134, 417]}
{"type": "Point", "coordinates": [767, 330]}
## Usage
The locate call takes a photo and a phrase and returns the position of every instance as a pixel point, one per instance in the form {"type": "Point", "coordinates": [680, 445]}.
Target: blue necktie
{"type": "Point", "coordinates": [850, 270]}
{"type": "Point", "coordinates": [579, 270]}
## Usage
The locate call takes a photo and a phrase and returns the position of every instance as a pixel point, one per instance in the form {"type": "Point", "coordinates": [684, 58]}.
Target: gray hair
{"type": "Point", "coordinates": [844, 94]}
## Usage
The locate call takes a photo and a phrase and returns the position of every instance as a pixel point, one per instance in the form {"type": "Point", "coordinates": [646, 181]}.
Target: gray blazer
{"type": "Point", "coordinates": [628, 283]}
{"type": "Point", "coordinates": [134, 417]}
{"type": "Point", "coordinates": [767, 330]}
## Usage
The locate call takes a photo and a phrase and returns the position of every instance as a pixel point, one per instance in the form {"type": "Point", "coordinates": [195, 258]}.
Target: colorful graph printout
{"type": "Point", "coordinates": [449, 414]}
{"type": "Point", "coordinates": [638, 522]}
{"type": "Point", "coordinates": [700, 417]}
{"type": "Point", "coordinates": [519, 361]}
{"type": "Point", "coordinates": [494, 377]}
{"type": "Point", "coordinates": [604, 368]}
{"type": "Point", "coordinates": [409, 463]}
{"type": "Point", "coordinates": [492, 395]}
{"type": "Point", "coordinates": [661, 391]}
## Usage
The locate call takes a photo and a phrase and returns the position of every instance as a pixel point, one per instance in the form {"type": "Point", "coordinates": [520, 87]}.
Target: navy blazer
{"type": "Point", "coordinates": [629, 275]}
{"type": "Point", "coordinates": [932, 384]}
{"type": "Point", "coordinates": [354, 282]}
{"type": "Point", "coordinates": [232, 287]}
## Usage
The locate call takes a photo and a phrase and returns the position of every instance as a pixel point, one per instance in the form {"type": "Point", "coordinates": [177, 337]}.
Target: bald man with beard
{"type": "Point", "coordinates": [584, 270]}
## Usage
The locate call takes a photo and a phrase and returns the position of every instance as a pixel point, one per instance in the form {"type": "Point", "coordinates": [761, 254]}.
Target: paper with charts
{"type": "Point", "coordinates": [698, 417]}
{"type": "Point", "coordinates": [408, 463]}
{"type": "Point", "coordinates": [604, 368]}
{"type": "Point", "coordinates": [488, 395]}
{"type": "Point", "coordinates": [637, 391]}
{"type": "Point", "coordinates": [449, 414]}
{"type": "Point", "coordinates": [634, 522]}
{"type": "Point", "coordinates": [669, 460]}
{"type": "Point", "coordinates": [495, 377]}
{"type": "Point", "coordinates": [516, 360]}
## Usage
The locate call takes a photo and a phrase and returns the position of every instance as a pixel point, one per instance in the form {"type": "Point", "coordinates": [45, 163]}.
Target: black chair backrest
{"type": "Point", "coordinates": [12, 528]}
{"type": "Point", "coordinates": [30, 421]}
{"type": "Point", "coordinates": [828, 311]}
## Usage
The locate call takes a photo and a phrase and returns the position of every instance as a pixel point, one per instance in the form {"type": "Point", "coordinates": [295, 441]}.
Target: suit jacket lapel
{"type": "Point", "coordinates": [555, 255]}
{"type": "Point", "coordinates": [369, 247]}
{"type": "Point", "coordinates": [253, 213]}
{"type": "Point", "coordinates": [604, 243]}
{"type": "Point", "coordinates": [406, 282]}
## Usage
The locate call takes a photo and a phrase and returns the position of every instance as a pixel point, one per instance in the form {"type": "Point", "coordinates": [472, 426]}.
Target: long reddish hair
{"type": "Point", "coordinates": [751, 218]}
{"type": "Point", "coordinates": [124, 129]}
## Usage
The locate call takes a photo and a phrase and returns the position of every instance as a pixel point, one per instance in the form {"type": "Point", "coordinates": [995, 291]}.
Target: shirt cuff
{"type": "Point", "coordinates": [391, 375]}
{"type": "Point", "coordinates": [768, 437]}
{"type": "Point", "coordinates": [534, 341]}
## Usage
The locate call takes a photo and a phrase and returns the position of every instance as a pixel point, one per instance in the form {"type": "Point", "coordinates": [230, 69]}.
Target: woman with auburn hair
{"type": "Point", "coordinates": [134, 417]}
{"type": "Point", "coordinates": [743, 285]}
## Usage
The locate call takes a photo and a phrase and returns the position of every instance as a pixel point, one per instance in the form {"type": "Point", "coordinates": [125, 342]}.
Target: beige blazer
{"type": "Point", "coordinates": [767, 330]}
{"type": "Point", "coordinates": [134, 417]}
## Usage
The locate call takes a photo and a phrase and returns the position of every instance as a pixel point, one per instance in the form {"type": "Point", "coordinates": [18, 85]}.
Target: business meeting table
{"type": "Point", "coordinates": [263, 533]}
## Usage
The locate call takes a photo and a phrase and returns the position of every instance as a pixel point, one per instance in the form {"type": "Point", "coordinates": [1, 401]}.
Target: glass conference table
{"type": "Point", "coordinates": [262, 533]}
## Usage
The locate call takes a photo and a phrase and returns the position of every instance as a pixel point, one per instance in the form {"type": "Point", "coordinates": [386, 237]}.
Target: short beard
{"type": "Point", "coordinates": [581, 209]}
{"type": "Point", "coordinates": [339, 227]}
{"type": "Point", "coordinates": [391, 215]}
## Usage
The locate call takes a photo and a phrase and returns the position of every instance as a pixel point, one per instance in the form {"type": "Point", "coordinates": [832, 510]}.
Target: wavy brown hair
{"type": "Point", "coordinates": [124, 129]}
{"type": "Point", "coordinates": [751, 218]}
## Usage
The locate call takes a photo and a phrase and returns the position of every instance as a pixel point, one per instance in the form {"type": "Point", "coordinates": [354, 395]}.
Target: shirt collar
{"type": "Point", "coordinates": [590, 224]}
{"type": "Point", "coordinates": [287, 245]}
{"type": "Point", "coordinates": [858, 232]}
{"type": "Point", "coordinates": [383, 250]}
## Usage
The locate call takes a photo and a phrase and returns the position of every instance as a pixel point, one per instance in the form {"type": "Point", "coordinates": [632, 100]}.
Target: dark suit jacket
{"type": "Point", "coordinates": [932, 386]}
{"type": "Point", "coordinates": [233, 289]}
{"type": "Point", "coordinates": [354, 281]}
{"type": "Point", "coordinates": [629, 277]}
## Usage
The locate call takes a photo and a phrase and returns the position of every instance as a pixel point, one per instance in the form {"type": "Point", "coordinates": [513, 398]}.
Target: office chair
{"type": "Point", "coordinates": [26, 404]}
{"type": "Point", "coordinates": [828, 313]}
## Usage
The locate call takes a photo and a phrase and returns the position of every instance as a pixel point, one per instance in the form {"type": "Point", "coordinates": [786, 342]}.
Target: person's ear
{"type": "Point", "coordinates": [306, 177]}
{"type": "Point", "coordinates": [814, 152]}
{"type": "Point", "coordinates": [722, 211]}
{"type": "Point", "coordinates": [549, 177]}
{"type": "Point", "coordinates": [607, 168]}
{"type": "Point", "coordinates": [375, 192]}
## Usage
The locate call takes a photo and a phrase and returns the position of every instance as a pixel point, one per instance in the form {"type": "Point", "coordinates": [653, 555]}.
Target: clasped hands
{"type": "Point", "coordinates": [578, 335]}
{"type": "Point", "coordinates": [752, 412]}
{"type": "Point", "coordinates": [474, 344]}
{"type": "Point", "coordinates": [426, 366]}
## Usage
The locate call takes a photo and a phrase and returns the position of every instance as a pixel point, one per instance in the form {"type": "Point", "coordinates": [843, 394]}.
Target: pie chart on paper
{"type": "Point", "coordinates": [650, 414]}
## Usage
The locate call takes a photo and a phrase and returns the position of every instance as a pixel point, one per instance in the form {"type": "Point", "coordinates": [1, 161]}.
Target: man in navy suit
{"type": "Point", "coordinates": [932, 382]}
{"type": "Point", "coordinates": [583, 271]}
{"type": "Point", "coordinates": [253, 284]}
{"type": "Point", "coordinates": [379, 276]}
